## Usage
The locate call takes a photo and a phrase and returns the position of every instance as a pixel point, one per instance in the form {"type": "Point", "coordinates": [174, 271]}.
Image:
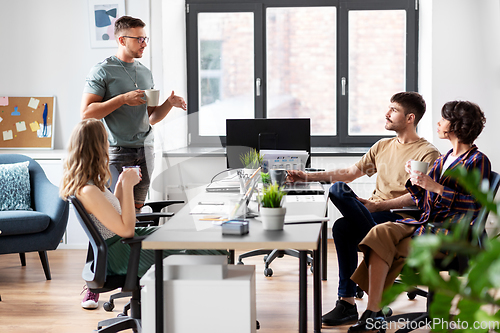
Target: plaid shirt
{"type": "Point", "coordinates": [455, 202]}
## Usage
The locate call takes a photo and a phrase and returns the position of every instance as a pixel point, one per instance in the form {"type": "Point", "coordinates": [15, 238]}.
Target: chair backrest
{"type": "Point", "coordinates": [461, 262]}
{"type": "Point", "coordinates": [94, 272]}
{"type": "Point", "coordinates": [479, 227]}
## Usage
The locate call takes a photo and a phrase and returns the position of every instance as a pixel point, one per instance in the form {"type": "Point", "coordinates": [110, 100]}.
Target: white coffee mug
{"type": "Point", "coordinates": [419, 166]}
{"type": "Point", "coordinates": [136, 168]}
{"type": "Point", "coordinates": [152, 96]}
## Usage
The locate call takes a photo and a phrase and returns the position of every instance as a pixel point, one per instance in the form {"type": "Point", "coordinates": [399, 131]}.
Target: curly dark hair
{"type": "Point", "coordinates": [466, 120]}
{"type": "Point", "coordinates": [412, 102]}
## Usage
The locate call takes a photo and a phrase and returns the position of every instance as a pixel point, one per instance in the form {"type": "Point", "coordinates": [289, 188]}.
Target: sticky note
{"type": "Point", "coordinates": [7, 135]}
{"type": "Point", "coordinates": [4, 101]}
{"type": "Point", "coordinates": [34, 126]}
{"type": "Point", "coordinates": [1, 119]}
{"type": "Point", "coordinates": [33, 103]}
{"type": "Point", "coordinates": [21, 126]}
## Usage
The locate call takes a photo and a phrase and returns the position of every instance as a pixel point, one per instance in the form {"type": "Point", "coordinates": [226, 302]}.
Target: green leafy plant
{"type": "Point", "coordinates": [266, 178]}
{"type": "Point", "coordinates": [473, 292]}
{"type": "Point", "coordinates": [252, 159]}
{"type": "Point", "coordinates": [271, 196]}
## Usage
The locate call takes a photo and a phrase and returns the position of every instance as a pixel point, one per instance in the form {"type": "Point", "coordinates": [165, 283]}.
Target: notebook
{"type": "Point", "coordinates": [299, 188]}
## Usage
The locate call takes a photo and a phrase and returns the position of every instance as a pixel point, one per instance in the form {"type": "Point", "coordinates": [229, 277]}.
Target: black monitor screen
{"type": "Point", "coordinates": [277, 133]}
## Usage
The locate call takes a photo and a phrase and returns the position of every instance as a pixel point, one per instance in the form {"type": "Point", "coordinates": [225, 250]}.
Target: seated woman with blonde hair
{"type": "Point", "coordinates": [87, 176]}
{"type": "Point", "coordinates": [441, 198]}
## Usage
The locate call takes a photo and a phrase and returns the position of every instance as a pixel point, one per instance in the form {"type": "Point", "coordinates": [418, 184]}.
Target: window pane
{"type": "Point", "coordinates": [301, 65]}
{"type": "Point", "coordinates": [377, 49]}
{"type": "Point", "coordinates": [226, 67]}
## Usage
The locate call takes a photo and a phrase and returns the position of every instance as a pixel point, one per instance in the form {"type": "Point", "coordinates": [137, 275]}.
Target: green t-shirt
{"type": "Point", "coordinates": [127, 126]}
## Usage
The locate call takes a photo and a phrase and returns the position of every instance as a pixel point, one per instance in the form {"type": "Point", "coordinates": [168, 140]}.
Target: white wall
{"type": "Point", "coordinates": [46, 52]}
{"type": "Point", "coordinates": [460, 59]}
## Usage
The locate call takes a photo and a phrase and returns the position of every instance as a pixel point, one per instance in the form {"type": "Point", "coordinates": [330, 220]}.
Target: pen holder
{"type": "Point", "coordinates": [244, 176]}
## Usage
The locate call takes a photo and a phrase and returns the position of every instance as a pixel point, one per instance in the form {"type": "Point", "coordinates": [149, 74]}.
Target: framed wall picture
{"type": "Point", "coordinates": [102, 17]}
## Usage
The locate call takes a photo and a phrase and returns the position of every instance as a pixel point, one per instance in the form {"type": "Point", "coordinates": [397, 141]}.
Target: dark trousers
{"type": "Point", "coordinates": [349, 230]}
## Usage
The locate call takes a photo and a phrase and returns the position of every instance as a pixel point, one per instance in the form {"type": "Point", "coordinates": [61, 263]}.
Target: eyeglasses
{"type": "Point", "coordinates": [140, 40]}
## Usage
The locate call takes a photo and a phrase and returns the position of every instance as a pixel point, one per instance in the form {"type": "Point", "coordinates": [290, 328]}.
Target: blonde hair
{"type": "Point", "coordinates": [87, 159]}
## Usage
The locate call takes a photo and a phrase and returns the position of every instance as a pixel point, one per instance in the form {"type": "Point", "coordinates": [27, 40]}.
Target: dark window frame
{"type": "Point", "coordinates": [258, 7]}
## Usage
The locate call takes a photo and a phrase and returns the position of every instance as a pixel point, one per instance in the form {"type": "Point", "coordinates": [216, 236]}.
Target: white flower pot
{"type": "Point", "coordinates": [272, 218]}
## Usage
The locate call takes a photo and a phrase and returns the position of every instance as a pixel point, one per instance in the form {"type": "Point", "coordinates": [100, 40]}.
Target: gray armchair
{"type": "Point", "coordinates": [38, 230]}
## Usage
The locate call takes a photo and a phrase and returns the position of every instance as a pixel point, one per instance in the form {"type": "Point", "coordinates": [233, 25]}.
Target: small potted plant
{"type": "Point", "coordinates": [272, 213]}
{"type": "Point", "coordinates": [265, 178]}
{"type": "Point", "coordinates": [252, 159]}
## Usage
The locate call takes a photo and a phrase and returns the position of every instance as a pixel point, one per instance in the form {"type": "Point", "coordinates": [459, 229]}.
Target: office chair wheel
{"type": "Point", "coordinates": [240, 263]}
{"type": "Point", "coordinates": [257, 325]}
{"type": "Point", "coordinates": [121, 314]}
{"type": "Point", "coordinates": [359, 292]}
{"type": "Point", "coordinates": [411, 295]}
{"type": "Point", "coordinates": [108, 306]}
{"type": "Point", "coordinates": [268, 272]}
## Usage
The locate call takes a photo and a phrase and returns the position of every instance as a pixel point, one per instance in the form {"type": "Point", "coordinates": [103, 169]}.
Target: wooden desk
{"type": "Point", "coordinates": [185, 231]}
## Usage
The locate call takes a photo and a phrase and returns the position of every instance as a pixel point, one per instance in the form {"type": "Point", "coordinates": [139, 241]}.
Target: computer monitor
{"type": "Point", "coordinates": [273, 134]}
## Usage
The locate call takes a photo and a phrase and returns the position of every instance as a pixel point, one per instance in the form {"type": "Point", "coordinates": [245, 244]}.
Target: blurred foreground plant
{"type": "Point", "coordinates": [477, 307]}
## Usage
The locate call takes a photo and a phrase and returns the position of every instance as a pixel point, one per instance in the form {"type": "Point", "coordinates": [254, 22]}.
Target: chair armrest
{"type": "Point", "coordinates": [133, 240]}
{"type": "Point", "coordinates": [145, 223]}
{"type": "Point", "coordinates": [152, 216]}
{"type": "Point", "coordinates": [46, 199]}
{"type": "Point", "coordinates": [157, 206]}
{"type": "Point", "coordinates": [413, 211]}
{"type": "Point", "coordinates": [132, 279]}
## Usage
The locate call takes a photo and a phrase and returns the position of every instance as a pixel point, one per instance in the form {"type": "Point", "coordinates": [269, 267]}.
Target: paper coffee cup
{"type": "Point", "coordinates": [152, 96]}
{"type": "Point", "coordinates": [419, 166]}
{"type": "Point", "coordinates": [136, 168]}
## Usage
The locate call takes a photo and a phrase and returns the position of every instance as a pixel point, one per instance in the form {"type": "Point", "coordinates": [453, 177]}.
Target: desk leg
{"type": "Point", "coordinates": [317, 293]}
{"type": "Point", "coordinates": [324, 250]}
{"type": "Point", "coordinates": [302, 291]}
{"type": "Point", "coordinates": [159, 290]}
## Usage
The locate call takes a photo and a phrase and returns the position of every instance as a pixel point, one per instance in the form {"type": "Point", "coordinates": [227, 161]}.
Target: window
{"type": "Point", "coordinates": [335, 62]}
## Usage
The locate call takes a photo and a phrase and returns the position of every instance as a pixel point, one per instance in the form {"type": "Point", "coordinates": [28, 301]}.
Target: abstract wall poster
{"type": "Point", "coordinates": [102, 17]}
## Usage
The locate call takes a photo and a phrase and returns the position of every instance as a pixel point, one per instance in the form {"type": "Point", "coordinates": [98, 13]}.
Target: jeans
{"type": "Point", "coordinates": [349, 230]}
{"type": "Point", "coordinates": [143, 157]}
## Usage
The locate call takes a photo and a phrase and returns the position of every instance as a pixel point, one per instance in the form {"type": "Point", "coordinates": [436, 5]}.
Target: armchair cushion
{"type": "Point", "coordinates": [15, 186]}
{"type": "Point", "coordinates": [16, 222]}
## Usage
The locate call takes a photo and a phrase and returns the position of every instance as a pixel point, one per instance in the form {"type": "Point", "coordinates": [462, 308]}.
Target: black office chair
{"type": "Point", "coordinates": [144, 220]}
{"type": "Point", "coordinates": [459, 264]}
{"type": "Point", "coordinates": [94, 273]}
{"type": "Point", "coordinates": [270, 255]}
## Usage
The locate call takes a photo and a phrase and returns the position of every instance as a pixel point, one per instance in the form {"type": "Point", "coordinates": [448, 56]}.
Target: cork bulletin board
{"type": "Point", "coordinates": [27, 122]}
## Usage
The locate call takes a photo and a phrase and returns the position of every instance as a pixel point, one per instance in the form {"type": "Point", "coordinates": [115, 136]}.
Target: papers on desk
{"type": "Point", "coordinates": [304, 198]}
{"type": "Point", "coordinates": [209, 210]}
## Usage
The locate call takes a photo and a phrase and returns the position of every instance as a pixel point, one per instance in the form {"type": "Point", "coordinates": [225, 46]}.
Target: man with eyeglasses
{"type": "Point", "coordinates": [114, 93]}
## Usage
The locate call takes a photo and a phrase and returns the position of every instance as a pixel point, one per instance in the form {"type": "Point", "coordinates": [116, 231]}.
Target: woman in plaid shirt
{"type": "Point", "coordinates": [440, 197]}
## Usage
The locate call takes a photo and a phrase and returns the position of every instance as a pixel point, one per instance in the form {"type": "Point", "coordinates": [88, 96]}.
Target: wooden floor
{"type": "Point", "coordinates": [32, 304]}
